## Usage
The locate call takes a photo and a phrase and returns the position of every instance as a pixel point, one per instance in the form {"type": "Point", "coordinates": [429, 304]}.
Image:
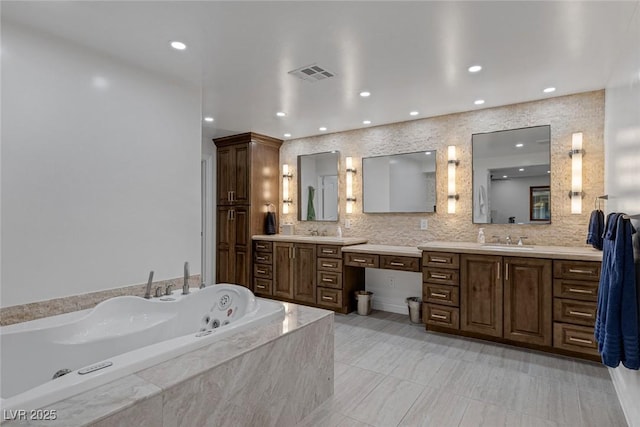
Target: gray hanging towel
{"type": "Point", "coordinates": [270, 223]}
{"type": "Point", "coordinates": [311, 211]}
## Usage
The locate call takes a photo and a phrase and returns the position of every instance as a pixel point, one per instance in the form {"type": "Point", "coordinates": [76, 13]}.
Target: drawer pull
{"type": "Point", "coordinates": [328, 251]}
{"type": "Point", "coordinates": [437, 294]}
{"type": "Point", "coordinates": [580, 313]}
{"type": "Point", "coordinates": [576, 270]}
{"type": "Point", "coordinates": [328, 265]}
{"type": "Point", "coordinates": [326, 279]}
{"type": "Point", "coordinates": [359, 260]}
{"type": "Point", "coordinates": [260, 258]}
{"type": "Point", "coordinates": [326, 298]}
{"type": "Point", "coordinates": [438, 316]}
{"type": "Point", "coordinates": [438, 276]}
{"type": "Point", "coordinates": [580, 340]}
{"type": "Point", "coordinates": [261, 271]}
{"type": "Point", "coordinates": [580, 291]}
{"type": "Point", "coordinates": [398, 264]}
{"type": "Point", "coordinates": [441, 260]}
{"type": "Point", "coordinates": [261, 287]}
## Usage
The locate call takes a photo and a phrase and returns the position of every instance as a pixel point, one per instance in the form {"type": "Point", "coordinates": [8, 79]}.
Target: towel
{"type": "Point", "coordinates": [311, 211]}
{"type": "Point", "coordinates": [482, 199]}
{"type": "Point", "coordinates": [596, 229]}
{"type": "Point", "coordinates": [270, 223]}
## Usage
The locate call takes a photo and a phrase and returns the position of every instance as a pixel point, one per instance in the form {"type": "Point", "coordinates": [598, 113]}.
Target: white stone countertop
{"type": "Point", "coordinates": [297, 238]}
{"type": "Point", "coordinates": [535, 251]}
{"type": "Point", "coordinates": [408, 251]}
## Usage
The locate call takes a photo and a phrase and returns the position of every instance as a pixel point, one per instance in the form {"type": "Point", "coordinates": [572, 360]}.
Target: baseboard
{"type": "Point", "coordinates": [627, 385]}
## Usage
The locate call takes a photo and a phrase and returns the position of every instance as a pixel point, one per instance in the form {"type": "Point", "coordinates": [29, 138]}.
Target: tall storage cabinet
{"type": "Point", "coordinates": [247, 173]}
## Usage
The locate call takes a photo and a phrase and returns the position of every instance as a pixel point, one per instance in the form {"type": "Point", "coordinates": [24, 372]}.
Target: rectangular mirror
{"type": "Point", "coordinates": [318, 186]}
{"type": "Point", "coordinates": [511, 176]}
{"type": "Point", "coordinates": [399, 183]}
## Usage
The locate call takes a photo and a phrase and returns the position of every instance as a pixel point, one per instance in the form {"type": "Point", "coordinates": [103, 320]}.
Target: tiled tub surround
{"type": "Point", "coordinates": [582, 112]}
{"type": "Point", "coordinates": [272, 375]}
{"type": "Point", "coordinates": [54, 307]}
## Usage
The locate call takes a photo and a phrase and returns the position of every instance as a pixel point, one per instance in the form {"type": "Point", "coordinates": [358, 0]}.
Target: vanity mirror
{"type": "Point", "coordinates": [511, 176]}
{"type": "Point", "coordinates": [399, 183]}
{"type": "Point", "coordinates": [318, 186]}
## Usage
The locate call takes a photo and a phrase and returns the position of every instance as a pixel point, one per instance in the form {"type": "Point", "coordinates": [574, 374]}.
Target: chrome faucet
{"type": "Point", "coordinates": [185, 286]}
{"type": "Point", "coordinates": [508, 240]}
{"type": "Point", "coordinates": [520, 239]}
{"type": "Point", "coordinates": [147, 293]}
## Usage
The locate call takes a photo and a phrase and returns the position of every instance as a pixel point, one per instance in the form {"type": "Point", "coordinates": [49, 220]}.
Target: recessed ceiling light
{"type": "Point", "coordinates": [366, 122]}
{"type": "Point", "coordinates": [428, 153]}
{"type": "Point", "coordinates": [365, 94]}
{"type": "Point", "coordinates": [322, 129]}
{"type": "Point", "coordinates": [281, 114]}
{"type": "Point", "coordinates": [414, 113]}
{"type": "Point", "coordinates": [287, 135]}
{"type": "Point", "coordinates": [549, 90]}
{"type": "Point", "coordinates": [475, 68]}
{"type": "Point", "coordinates": [521, 169]}
{"type": "Point", "coordinates": [548, 171]}
{"type": "Point", "coordinates": [479, 101]}
{"type": "Point", "coordinates": [208, 119]}
{"type": "Point", "coordinates": [178, 45]}
{"type": "Point", "coordinates": [519, 144]}
{"type": "Point", "coordinates": [504, 176]}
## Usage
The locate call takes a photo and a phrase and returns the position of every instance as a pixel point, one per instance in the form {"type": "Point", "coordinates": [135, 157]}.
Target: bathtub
{"type": "Point", "coordinates": [116, 338]}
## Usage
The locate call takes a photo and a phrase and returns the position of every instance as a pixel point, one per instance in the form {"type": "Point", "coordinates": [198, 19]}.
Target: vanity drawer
{"type": "Point", "coordinates": [574, 338]}
{"type": "Point", "coordinates": [361, 260]}
{"type": "Point", "coordinates": [572, 311]}
{"type": "Point", "coordinates": [329, 297]}
{"type": "Point", "coordinates": [440, 259]}
{"type": "Point", "coordinates": [441, 294]}
{"type": "Point", "coordinates": [576, 289]}
{"type": "Point", "coordinates": [262, 286]}
{"type": "Point", "coordinates": [261, 246]}
{"type": "Point", "coordinates": [262, 271]}
{"type": "Point", "coordinates": [448, 317]}
{"type": "Point", "coordinates": [263, 257]}
{"type": "Point", "coordinates": [330, 279]}
{"type": "Point", "coordinates": [331, 251]}
{"type": "Point", "coordinates": [441, 275]}
{"type": "Point", "coordinates": [330, 264]}
{"type": "Point", "coordinates": [577, 270]}
{"type": "Point", "coordinates": [403, 263]}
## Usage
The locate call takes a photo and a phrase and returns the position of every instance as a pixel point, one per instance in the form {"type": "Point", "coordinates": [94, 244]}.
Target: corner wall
{"type": "Point", "coordinates": [100, 171]}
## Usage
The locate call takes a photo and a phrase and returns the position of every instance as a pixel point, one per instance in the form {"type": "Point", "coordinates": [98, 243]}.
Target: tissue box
{"type": "Point", "coordinates": [287, 229]}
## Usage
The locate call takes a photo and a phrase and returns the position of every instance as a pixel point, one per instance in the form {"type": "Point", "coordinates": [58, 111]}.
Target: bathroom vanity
{"type": "Point", "coordinates": [541, 297]}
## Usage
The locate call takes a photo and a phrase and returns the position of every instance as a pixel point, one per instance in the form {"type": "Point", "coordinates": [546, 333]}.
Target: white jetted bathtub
{"type": "Point", "coordinates": [119, 337]}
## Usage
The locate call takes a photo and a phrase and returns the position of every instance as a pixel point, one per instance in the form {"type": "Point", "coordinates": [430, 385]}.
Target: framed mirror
{"type": "Point", "coordinates": [400, 183]}
{"type": "Point", "coordinates": [318, 186]}
{"type": "Point", "coordinates": [511, 176]}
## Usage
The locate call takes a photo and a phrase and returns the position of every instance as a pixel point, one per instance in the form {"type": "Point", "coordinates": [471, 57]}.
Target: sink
{"type": "Point", "coordinates": [497, 246]}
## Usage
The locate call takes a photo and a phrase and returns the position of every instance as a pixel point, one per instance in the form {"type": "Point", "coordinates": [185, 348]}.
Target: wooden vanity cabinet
{"type": "Point", "coordinates": [440, 290]}
{"type": "Point", "coordinates": [294, 276]}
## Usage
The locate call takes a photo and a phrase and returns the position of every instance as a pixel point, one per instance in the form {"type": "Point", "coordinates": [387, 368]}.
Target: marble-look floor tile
{"type": "Point", "coordinates": [593, 376]}
{"type": "Point", "coordinates": [553, 367]}
{"type": "Point", "coordinates": [418, 367]}
{"type": "Point", "coordinates": [387, 404]}
{"type": "Point", "coordinates": [350, 422]}
{"type": "Point", "coordinates": [557, 401]}
{"type": "Point", "coordinates": [502, 356]}
{"type": "Point", "coordinates": [600, 408]}
{"type": "Point", "coordinates": [458, 377]}
{"type": "Point", "coordinates": [480, 414]}
{"type": "Point", "coordinates": [435, 408]}
{"type": "Point", "coordinates": [381, 357]}
{"type": "Point", "coordinates": [323, 416]}
{"type": "Point", "coordinates": [351, 351]}
{"type": "Point", "coordinates": [352, 386]}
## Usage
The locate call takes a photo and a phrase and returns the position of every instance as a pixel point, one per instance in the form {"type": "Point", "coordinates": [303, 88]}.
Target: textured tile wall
{"type": "Point", "coordinates": [582, 112]}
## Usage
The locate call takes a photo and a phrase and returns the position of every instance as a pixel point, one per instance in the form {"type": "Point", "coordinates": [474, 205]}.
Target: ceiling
{"type": "Point", "coordinates": [411, 56]}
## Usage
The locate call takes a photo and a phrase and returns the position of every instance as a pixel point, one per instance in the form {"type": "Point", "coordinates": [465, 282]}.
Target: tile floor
{"type": "Point", "coordinates": [389, 372]}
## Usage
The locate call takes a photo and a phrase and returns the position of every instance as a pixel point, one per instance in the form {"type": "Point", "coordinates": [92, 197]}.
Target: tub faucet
{"type": "Point", "coordinates": [185, 286]}
{"type": "Point", "coordinates": [147, 293]}
{"type": "Point", "coordinates": [508, 240]}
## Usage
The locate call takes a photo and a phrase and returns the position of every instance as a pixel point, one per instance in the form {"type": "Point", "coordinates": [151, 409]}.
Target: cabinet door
{"type": "Point", "coordinates": [481, 294]}
{"type": "Point", "coordinates": [225, 241]}
{"type": "Point", "coordinates": [282, 271]}
{"type": "Point", "coordinates": [242, 246]}
{"type": "Point", "coordinates": [225, 174]}
{"type": "Point", "coordinates": [242, 183]}
{"type": "Point", "coordinates": [527, 300]}
{"type": "Point", "coordinates": [304, 272]}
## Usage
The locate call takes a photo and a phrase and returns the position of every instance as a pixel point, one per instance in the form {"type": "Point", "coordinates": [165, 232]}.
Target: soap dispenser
{"type": "Point", "coordinates": [481, 236]}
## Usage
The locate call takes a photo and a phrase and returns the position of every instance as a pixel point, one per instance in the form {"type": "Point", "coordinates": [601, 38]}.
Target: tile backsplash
{"type": "Point", "coordinates": [582, 112]}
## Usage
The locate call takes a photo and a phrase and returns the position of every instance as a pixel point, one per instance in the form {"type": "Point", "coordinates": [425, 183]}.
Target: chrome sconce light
{"type": "Point", "coordinates": [350, 172]}
{"type": "Point", "coordinates": [452, 164]}
{"type": "Point", "coordinates": [576, 194]}
{"type": "Point", "coordinates": [286, 179]}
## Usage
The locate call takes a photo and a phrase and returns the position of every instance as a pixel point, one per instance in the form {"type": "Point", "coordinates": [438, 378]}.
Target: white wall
{"type": "Point", "coordinates": [100, 171]}
{"type": "Point", "coordinates": [622, 175]}
{"type": "Point", "coordinates": [391, 288]}
{"type": "Point", "coordinates": [209, 212]}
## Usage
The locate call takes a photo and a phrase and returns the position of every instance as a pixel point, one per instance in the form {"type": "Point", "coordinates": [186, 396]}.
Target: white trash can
{"type": "Point", "coordinates": [415, 309]}
{"type": "Point", "coordinates": [364, 299]}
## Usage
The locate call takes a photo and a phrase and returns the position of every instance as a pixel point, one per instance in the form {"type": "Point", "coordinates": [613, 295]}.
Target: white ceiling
{"type": "Point", "coordinates": [409, 55]}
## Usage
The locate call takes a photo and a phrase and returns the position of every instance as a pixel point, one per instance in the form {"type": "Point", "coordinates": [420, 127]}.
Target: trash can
{"type": "Point", "coordinates": [415, 306]}
{"type": "Point", "coordinates": [364, 302]}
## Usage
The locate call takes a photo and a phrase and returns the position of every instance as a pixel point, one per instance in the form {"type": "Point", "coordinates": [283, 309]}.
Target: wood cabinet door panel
{"type": "Point", "coordinates": [304, 272]}
{"type": "Point", "coordinates": [242, 272]}
{"type": "Point", "coordinates": [282, 272]}
{"type": "Point", "coordinates": [527, 300]}
{"type": "Point", "coordinates": [225, 171]}
{"type": "Point", "coordinates": [242, 163]}
{"type": "Point", "coordinates": [481, 294]}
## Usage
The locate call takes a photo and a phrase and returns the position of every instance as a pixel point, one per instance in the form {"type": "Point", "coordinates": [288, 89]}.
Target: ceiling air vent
{"type": "Point", "coordinates": [312, 73]}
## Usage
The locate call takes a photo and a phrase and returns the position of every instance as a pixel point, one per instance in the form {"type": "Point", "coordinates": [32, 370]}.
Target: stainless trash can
{"type": "Point", "coordinates": [415, 309]}
{"type": "Point", "coordinates": [364, 302]}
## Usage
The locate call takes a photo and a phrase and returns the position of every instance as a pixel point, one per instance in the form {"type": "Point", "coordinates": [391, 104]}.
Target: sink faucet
{"type": "Point", "coordinates": [508, 240]}
{"type": "Point", "coordinates": [147, 293]}
{"type": "Point", "coordinates": [314, 232]}
{"type": "Point", "coordinates": [185, 286]}
{"type": "Point", "coordinates": [520, 239]}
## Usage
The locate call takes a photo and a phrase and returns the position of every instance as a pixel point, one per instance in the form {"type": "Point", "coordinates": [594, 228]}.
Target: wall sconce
{"type": "Point", "coordinates": [452, 164]}
{"type": "Point", "coordinates": [576, 194]}
{"type": "Point", "coordinates": [286, 178]}
{"type": "Point", "coordinates": [350, 172]}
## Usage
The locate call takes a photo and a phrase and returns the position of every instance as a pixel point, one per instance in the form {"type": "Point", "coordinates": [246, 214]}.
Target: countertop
{"type": "Point", "coordinates": [409, 251]}
{"type": "Point", "coordinates": [296, 238]}
{"type": "Point", "coordinates": [551, 252]}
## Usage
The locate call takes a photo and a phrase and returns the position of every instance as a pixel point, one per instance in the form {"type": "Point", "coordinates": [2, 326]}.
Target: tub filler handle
{"type": "Point", "coordinates": [147, 293]}
{"type": "Point", "coordinates": [185, 285]}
